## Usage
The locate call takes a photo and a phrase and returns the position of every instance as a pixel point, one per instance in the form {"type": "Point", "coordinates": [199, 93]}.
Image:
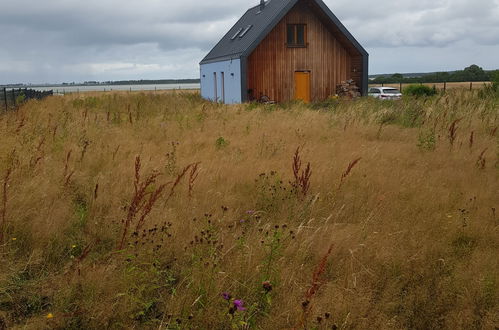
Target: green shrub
{"type": "Point", "coordinates": [221, 143]}
{"type": "Point", "coordinates": [495, 80]}
{"type": "Point", "coordinates": [419, 90]}
{"type": "Point", "coordinates": [427, 140]}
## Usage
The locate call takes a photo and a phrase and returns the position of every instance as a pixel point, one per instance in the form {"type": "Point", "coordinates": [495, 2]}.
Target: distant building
{"type": "Point", "coordinates": [283, 50]}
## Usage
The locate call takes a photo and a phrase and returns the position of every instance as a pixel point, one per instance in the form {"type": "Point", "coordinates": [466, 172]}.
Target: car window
{"type": "Point", "coordinates": [374, 90]}
{"type": "Point", "coordinates": [391, 91]}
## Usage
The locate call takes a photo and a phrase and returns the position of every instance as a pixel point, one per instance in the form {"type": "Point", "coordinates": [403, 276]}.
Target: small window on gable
{"type": "Point", "coordinates": [296, 35]}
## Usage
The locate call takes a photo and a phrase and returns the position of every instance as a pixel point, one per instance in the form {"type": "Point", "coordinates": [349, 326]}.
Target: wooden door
{"type": "Point", "coordinates": [302, 86]}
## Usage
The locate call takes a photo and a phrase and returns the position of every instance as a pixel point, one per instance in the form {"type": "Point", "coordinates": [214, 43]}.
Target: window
{"type": "Point", "coordinates": [236, 34]}
{"type": "Point", "coordinates": [296, 36]}
{"type": "Point", "coordinates": [391, 91]}
{"type": "Point", "coordinates": [374, 90]}
{"type": "Point", "coordinates": [246, 29]}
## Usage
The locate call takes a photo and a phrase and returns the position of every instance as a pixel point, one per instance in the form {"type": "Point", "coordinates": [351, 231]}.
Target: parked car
{"type": "Point", "coordinates": [385, 93]}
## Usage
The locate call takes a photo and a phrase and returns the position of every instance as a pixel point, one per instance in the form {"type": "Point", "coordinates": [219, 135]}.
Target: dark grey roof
{"type": "Point", "coordinates": [262, 22]}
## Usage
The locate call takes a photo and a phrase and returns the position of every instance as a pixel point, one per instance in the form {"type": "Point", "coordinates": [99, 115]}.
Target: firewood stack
{"type": "Point", "coordinates": [348, 89]}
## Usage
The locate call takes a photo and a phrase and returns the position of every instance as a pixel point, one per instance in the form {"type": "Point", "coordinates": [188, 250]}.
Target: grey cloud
{"type": "Point", "coordinates": [60, 40]}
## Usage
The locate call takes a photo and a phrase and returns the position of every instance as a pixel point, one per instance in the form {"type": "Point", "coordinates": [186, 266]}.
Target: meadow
{"type": "Point", "coordinates": [164, 211]}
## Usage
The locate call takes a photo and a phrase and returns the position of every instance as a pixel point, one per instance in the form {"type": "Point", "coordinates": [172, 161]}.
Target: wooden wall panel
{"type": "Point", "coordinates": [272, 64]}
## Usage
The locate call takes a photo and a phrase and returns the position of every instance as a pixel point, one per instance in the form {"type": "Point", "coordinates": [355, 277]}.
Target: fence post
{"type": "Point", "coordinates": [5, 98]}
{"type": "Point", "coordinates": [14, 96]}
{"type": "Point", "coordinates": [400, 89]}
{"type": "Point", "coordinates": [445, 86]}
{"type": "Point", "coordinates": [471, 86]}
{"type": "Point", "coordinates": [382, 85]}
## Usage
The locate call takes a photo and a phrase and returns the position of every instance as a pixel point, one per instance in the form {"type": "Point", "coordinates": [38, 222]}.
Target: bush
{"type": "Point", "coordinates": [420, 90]}
{"type": "Point", "coordinates": [495, 80]}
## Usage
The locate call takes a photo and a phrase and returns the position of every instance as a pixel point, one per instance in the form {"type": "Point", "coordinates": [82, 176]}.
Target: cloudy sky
{"type": "Point", "coordinates": [78, 40]}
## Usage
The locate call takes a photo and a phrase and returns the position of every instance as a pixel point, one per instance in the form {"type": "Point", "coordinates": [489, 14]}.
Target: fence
{"type": "Point", "coordinates": [441, 86]}
{"type": "Point", "coordinates": [10, 99]}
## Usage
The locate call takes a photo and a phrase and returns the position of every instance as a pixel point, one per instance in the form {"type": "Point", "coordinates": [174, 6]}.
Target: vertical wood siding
{"type": "Point", "coordinates": [272, 64]}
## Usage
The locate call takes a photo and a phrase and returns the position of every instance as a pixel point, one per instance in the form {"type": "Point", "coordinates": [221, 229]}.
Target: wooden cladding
{"type": "Point", "coordinates": [272, 65]}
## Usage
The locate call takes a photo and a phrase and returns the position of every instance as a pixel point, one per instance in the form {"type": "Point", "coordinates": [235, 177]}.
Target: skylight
{"type": "Point", "coordinates": [246, 29]}
{"type": "Point", "coordinates": [235, 34]}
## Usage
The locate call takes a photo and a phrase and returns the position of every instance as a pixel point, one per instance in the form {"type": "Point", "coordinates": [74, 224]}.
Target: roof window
{"type": "Point", "coordinates": [236, 34]}
{"type": "Point", "coordinates": [246, 29]}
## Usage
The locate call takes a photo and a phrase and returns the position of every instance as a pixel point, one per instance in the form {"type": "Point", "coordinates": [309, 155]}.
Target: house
{"type": "Point", "coordinates": [283, 50]}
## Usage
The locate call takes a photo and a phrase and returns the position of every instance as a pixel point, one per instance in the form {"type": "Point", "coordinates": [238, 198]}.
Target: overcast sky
{"type": "Point", "coordinates": [78, 40]}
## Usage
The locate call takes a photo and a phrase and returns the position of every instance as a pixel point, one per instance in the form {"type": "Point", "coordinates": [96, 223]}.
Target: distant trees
{"type": "Point", "coordinates": [495, 80]}
{"type": "Point", "coordinates": [471, 73]}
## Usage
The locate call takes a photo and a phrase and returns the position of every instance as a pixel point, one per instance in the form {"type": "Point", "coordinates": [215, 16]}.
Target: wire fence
{"type": "Point", "coordinates": [12, 98]}
{"type": "Point", "coordinates": [440, 86]}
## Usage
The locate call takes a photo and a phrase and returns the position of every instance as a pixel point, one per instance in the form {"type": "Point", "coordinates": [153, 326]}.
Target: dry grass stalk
{"type": "Point", "coordinates": [54, 132]}
{"type": "Point", "coordinates": [348, 170]}
{"type": "Point", "coordinates": [77, 261]}
{"type": "Point", "coordinates": [67, 178]}
{"type": "Point", "coordinates": [139, 204]}
{"type": "Point", "coordinates": [3, 211]}
{"type": "Point", "coordinates": [21, 124]}
{"type": "Point", "coordinates": [86, 143]}
{"type": "Point", "coordinates": [193, 174]}
{"type": "Point", "coordinates": [66, 164]}
{"type": "Point", "coordinates": [480, 163]}
{"type": "Point", "coordinates": [177, 180]}
{"type": "Point", "coordinates": [453, 131]}
{"type": "Point", "coordinates": [96, 191]}
{"type": "Point", "coordinates": [494, 131]}
{"type": "Point", "coordinates": [116, 151]}
{"type": "Point", "coordinates": [316, 284]}
{"type": "Point", "coordinates": [39, 154]}
{"type": "Point", "coordinates": [472, 135]}
{"type": "Point", "coordinates": [302, 177]}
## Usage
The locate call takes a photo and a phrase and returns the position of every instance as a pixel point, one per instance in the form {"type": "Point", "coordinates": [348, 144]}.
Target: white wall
{"type": "Point", "coordinates": [232, 81]}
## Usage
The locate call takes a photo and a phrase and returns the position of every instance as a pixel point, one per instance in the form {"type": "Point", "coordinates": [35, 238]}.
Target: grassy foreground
{"type": "Point", "coordinates": [165, 211]}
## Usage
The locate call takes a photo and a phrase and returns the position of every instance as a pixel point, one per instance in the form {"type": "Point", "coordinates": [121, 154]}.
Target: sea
{"type": "Point", "coordinates": [106, 88]}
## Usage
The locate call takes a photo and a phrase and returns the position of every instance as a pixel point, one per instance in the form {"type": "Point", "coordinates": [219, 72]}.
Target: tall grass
{"type": "Point", "coordinates": [165, 211]}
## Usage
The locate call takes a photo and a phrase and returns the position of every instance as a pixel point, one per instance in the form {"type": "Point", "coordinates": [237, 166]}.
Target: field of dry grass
{"type": "Point", "coordinates": [167, 212]}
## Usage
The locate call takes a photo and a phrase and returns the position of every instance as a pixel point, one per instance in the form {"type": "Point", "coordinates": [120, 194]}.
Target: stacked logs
{"type": "Point", "coordinates": [348, 89]}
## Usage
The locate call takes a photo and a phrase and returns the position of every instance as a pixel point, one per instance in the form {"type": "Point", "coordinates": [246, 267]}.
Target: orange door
{"type": "Point", "coordinates": [302, 86]}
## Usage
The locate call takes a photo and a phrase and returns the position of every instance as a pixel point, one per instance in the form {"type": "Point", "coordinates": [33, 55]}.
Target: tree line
{"type": "Point", "coordinates": [471, 73]}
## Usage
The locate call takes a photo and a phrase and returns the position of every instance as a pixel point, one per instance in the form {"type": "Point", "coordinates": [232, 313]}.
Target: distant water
{"type": "Point", "coordinates": [107, 88]}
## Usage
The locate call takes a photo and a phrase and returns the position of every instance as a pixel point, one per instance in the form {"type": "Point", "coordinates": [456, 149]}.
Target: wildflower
{"type": "Point", "coordinates": [226, 295]}
{"type": "Point", "coordinates": [242, 221]}
{"type": "Point", "coordinates": [49, 316]}
{"type": "Point", "coordinates": [239, 305]}
{"type": "Point", "coordinates": [73, 246]}
{"type": "Point", "coordinates": [267, 286]}
{"type": "Point", "coordinates": [250, 211]}
{"type": "Point", "coordinates": [13, 238]}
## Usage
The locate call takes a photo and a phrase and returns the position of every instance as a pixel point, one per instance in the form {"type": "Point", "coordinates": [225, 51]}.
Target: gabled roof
{"type": "Point", "coordinates": [262, 22]}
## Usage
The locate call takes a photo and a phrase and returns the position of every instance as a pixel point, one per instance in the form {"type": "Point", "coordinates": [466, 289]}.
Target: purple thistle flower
{"type": "Point", "coordinates": [226, 295]}
{"type": "Point", "coordinates": [250, 212]}
{"type": "Point", "coordinates": [239, 304]}
{"type": "Point", "coordinates": [242, 221]}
